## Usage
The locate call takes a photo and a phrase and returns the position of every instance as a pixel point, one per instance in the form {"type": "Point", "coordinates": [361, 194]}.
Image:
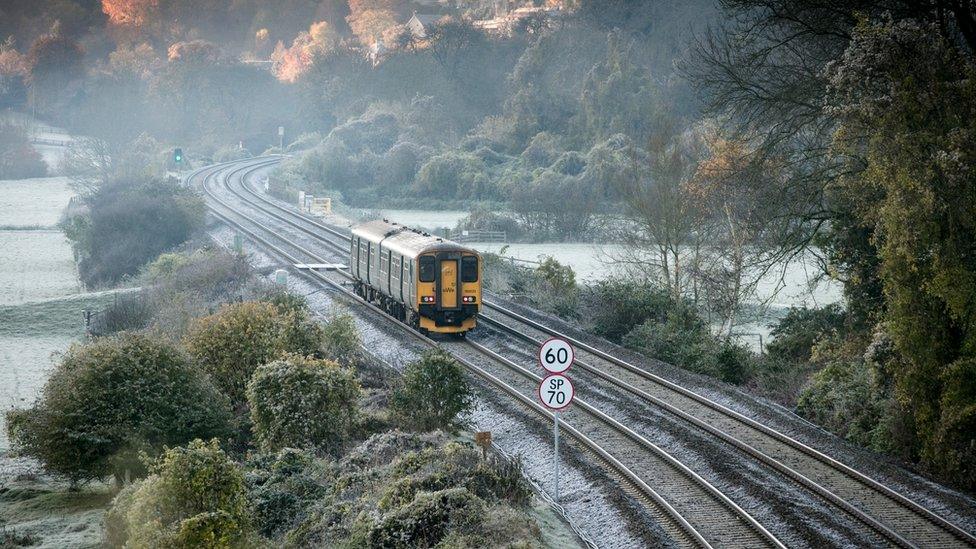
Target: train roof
{"type": "Point", "coordinates": [405, 240]}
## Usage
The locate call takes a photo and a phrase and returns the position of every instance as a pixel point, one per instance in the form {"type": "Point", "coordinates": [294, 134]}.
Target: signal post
{"type": "Point", "coordinates": [556, 392]}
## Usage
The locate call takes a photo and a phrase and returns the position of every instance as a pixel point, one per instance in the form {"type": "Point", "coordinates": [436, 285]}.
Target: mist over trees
{"type": "Point", "coordinates": [716, 141]}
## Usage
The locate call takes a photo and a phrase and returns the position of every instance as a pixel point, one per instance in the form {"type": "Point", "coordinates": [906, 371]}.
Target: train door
{"type": "Point", "coordinates": [449, 284]}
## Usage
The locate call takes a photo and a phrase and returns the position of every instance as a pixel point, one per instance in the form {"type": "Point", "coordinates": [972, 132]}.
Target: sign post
{"type": "Point", "coordinates": [281, 139]}
{"type": "Point", "coordinates": [556, 391]}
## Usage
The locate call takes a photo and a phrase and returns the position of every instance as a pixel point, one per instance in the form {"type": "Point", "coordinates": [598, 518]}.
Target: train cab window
{"type": "Point", "coordinates": [428, 268]}
{"type": "Point", "coordinates": [469, 268]}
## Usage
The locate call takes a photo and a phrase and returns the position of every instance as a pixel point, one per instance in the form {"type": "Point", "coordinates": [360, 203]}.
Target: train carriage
{"type": "Point", "coordinates": [428, 282]}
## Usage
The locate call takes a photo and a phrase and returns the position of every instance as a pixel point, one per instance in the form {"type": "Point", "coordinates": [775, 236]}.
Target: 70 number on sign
{"type": "Point", "coordinates": [556, 355]}
{"type": "Point", "coordinates": [556, 393]}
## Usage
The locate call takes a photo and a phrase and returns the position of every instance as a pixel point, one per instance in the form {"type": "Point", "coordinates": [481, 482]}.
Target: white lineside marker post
{"type": "Point", "coordinates": [556, 391]}
{"type": "Point", "coordinates": [281, 140]}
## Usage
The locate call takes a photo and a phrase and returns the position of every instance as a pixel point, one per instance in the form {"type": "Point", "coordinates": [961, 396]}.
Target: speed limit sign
{"type": "Point", "coordinates": [556, 392]}
{"type": "Point", "coordinates": [556, 355]}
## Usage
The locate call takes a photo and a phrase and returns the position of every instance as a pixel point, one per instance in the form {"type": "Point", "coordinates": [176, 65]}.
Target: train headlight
{"type": "Point", "coordinates": [427, 299]}
{"type": "Point", "coordinates": [468, 299]}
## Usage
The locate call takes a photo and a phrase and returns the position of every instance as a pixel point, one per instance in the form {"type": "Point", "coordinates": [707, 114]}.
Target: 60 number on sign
{"type": "Point", "coordinates": [556, 355]}
{"type": "Point", "coordinates": [556, 390]}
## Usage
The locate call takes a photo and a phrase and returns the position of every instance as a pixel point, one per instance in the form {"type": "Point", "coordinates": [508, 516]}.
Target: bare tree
{"type": "Point", "coordinates": [664, 225]}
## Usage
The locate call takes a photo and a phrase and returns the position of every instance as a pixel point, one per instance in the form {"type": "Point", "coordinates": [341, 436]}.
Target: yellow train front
{"type": "Point", "coordinates": [428, 282]}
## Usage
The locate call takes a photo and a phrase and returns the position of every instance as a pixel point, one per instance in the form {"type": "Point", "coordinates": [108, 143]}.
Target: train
{"type": "Point", "coordinates": [428, 282]}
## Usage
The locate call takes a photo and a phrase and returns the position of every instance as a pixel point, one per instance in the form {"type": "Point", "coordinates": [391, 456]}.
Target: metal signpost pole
{"type": "Point", "coordinates": [556, 392]}
{"type": "Point", "coordinates": [555, 454]}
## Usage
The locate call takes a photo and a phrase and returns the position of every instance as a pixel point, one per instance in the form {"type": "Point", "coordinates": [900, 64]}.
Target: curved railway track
{"type": "Point", "coordinates": [715, 520]}
{"type": "Point", "coordinates": [897, 518]}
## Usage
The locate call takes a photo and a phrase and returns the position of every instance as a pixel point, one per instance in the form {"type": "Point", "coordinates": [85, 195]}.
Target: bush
{"type": "Point", "coordinates": [195, 497]}
{"type": "Point", "coordinates": [425, 520]}
{"type": "Point", "coordinates": [556, 289]}
{"type": "Point", "coordinates": [129, 224]}
{"type": "Point", "coordinates": [413, 489]}
{"type": "Point", "coordinates": [795, 334]}
{"type": "Point", "coordinates": [453, 175]}
{"type": "Point", "coordinates": [680, 340]}
{"type": "Point", "coordinates": [18, 159]}
{"type": "Point", "coordinates": [303, 403]}
{"type": "Point", "coordinates": [615, 306]}
{"type": "Point", "coordinates": [341, 341]}
{"type": "Point", "coordinates": [127, 312]}
{"type": "Point", "coordinates": [283, 487]}
{"type": "Point", "coordinates": [434, 393]}
{"type": "Point", "coordinates": [734, 363]}
{"type": "Point", "coordinates": [301, 334]}
{"type": "Point", "coordinates": [229, 153]}
{"type": "Point", "coordinates": [232, 343]}
{"type": "Point", "coordinates": [184, 286]}
{"type": "Point", "coordinates": [852, 395]}
{"type": "Point", "coordinates": [110, 400]}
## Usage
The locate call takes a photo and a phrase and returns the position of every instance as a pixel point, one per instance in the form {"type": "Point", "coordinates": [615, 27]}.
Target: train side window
{"type": "Point", "coordinates": [428, 268]}
{"type": "Point", "coordinates": [469, 268]}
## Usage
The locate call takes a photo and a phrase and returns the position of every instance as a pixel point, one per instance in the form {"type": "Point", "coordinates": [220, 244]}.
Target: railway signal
{"type": "Point", "coordinates": [556, 391]}
{"type": "Point", "coordinates": [178, 156]}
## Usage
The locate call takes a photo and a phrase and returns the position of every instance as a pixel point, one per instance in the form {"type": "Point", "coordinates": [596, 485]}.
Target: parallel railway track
{"type": "Point", "coordinates": [716, 522]}
{"type": "Point", "coordinates": [897, 518]}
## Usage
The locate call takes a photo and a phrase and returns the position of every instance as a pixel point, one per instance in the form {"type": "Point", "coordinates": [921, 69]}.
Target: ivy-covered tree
{"type": "Point", "coordinates": [907, 101]}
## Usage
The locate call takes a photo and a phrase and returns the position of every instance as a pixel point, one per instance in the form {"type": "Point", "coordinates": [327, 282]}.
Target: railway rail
{"type": "Point", "coordinates": [724, 522]}
{"type": "Point", "coordinates": [894, 516]}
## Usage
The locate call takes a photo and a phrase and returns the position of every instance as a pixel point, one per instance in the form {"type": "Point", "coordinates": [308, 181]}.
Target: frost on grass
{"type": "Point", "coordinates": [394, 490]}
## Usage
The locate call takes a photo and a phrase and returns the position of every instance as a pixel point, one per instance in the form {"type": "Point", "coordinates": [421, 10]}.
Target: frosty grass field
{"type": "Point", "coordinates": [38, 315]}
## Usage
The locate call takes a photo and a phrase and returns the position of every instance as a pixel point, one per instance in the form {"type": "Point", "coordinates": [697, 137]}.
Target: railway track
{"type": "Point", "coordinates": [715, 519]}
{"type": "Point", "coordinates": [897, 518]}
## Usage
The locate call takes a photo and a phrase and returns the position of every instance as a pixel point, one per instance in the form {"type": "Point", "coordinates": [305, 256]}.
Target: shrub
{"type": "Point", "coordinates": [453, 175]}
{"type": "Point", "coordinates": [232, 343]}
{"type": "Point", "coordinates": [282, 487]}
{"type": "Point", "coordinates": [408, 489]}
{"type": "Point", "coordinates": [795, 334]}
{"type": "Point", "coordinates": [185, 286]}
{"type": "Point", "coordinates": [843, 398]}
{"type": "Point", "coordinates": [301, 334]}
{"type": "Point", "coordinates": [556, 289]}
{"type": "Point", "coordinates": [734, 363]}
{"type": "Point", "coordinates": [425, 520]}
{"type": "Point", "coordinates": [227, 154]}
{"type": "Point", "coordinates": [302, 403]}
{"type": "Point", "coordinates": [195, 497]}
{"type": "Point", "coordinates": [434, 393]}
{"type": "Point", "coordinates": [18, 159]}
{"type": "Point", "coordinates": [127, 312]}
{"type": "Point", "coordinates": [111, 399]}
{"type": "Point", "coordinates": [615, 306]}
{"type": "Point", "coordinates": [677, 340]}
{"type": "Point", "coordinates": [129, 224]}
{"type": "Point", "coordinates": [340, 339]}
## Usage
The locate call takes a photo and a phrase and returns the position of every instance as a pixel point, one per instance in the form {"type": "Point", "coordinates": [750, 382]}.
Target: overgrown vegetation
{"type": "Point", "coordinates": [299, 402]}
{"type": "Point", "coordinates": [281, 467]}
{"type": "Point", "coordinates": [195, 497]}
{"type": "Point", "coordinates": [232, 343]}
{"type": "Point", "coordinates": [129, 223]}
{"type": "Point", "coordinates": [18, 158]}
{"type": "Point", "coordinates": [111, 400]}
{"type": "Point", "coordinates": [410, 490]}
{"type": "Point", "coordinates": [434, 393]}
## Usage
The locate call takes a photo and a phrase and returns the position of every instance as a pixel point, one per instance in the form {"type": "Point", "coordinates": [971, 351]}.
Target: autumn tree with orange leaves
{"type": "Point", "coordinates": [290, 63]}
{"type": "Point", "coordinates": [368, 19]}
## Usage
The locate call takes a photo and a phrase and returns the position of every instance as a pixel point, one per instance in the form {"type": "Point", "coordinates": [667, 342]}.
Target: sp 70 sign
{"type": "Point", "coordinates": [556, 392]}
